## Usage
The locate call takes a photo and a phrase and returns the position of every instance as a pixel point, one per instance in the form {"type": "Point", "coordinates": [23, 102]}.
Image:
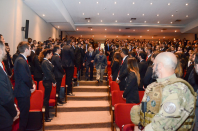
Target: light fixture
{"type": "Point", "coordinates": [186, 4]}
{"type": "Point", "coordinates": [133, 3]}
{"type": "Point", "coordinates": [175, 30]}
{"type": "Point", "coordinates": [133, 30]}
{"type": "Point", "coordinates": [164, 37]}
{"type": "Point", "coordinates": [98, 13]}
{"type": "Point", "coordinates": [171, 22]}
{"type": "Point", "coordinates": [151, 3]}
{"type": "Point", "coordinates": [88, 20]}
{"type": "Point", "coordinates": [152, 36]}
{"type": "Point", "coordinates": [79, 2]}
{"type": "Point", "coordinates": [114, 2]}
{"type": "Point", "coordinates": [116, 21]}
{"type": "Point", "coordinates": [81, 35]}
{"type": "Point", "coordinates": [119, 29]}
{"type": "Point", "coordinates": [91, 29]}
{"type": "Point", "coordinates": [105, 36]}
{"type": "Point", "coordinates": [93, 36]}
{"type": "Point", "coordinates": [147, 30]}
{"type": "Point", "coordinates": [113, 14]}
{"type": "Point", "coordinates": [83, 13]}
{"type": "Point", "coordinates": [186, 15]}
{"type": "Point", "coordinates": [158, 22]}
{"type": "Point", "coordinates": [172, 15]}
{"type": "Point", "coordinates": [130, 20]}
{"type": "Point", "coordinates": [168, 3]}
{"type": "Point", "coordinates": [58, 26]}
{"type": "Point", "coordinates": [105, 29]}
{"type": "Point", "coordinates": [97, 2]}
{"type": "Point", "coordinates": [101, 21]}
{"type": "Point", "coordinates": [43, 14]}
{"type": "Point", "coordinates": [77, 29]}
{"type": "Point", "coordinates": [142, 14]}
{"type": "Point", "coordinates": [140, 36]}
{"type": "Point", "coordinates": [127, 14]}
{"type": "Point", "coordinates": [157, 14]}
{"type": "Point", "coordinates": [128, 36]}
{"type": "Point", "coordinates": [117, 36]}
{"type": "Point", "coordinates": [144, 21]}
{"type": "Point", "coordinates": [161, 30]}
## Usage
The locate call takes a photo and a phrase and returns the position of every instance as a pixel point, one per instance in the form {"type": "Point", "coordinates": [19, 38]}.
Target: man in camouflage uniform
{"type": "Point", "coordinates": [176, 100]}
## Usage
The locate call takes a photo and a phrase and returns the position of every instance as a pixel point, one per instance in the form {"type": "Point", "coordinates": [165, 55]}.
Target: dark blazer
{"type": "Point", "coordinates": [23, 78]}
{"type": "Point", "coordinates": [148, 76]}
{"type": "Point", "coordinates": [7, 108]}
{"type": "Point", "coordinates": [89, 58]}
{"type": "Point", "coordinates": [77, 53]}
{"type": "Point", "coordinates": [115, 69]}
{"type": "Point", "coordinates": [14, 57]}
{"type": "Point", "coordinates": [82, 54]}
{"type": "Point", "coordinates": [193, 79]}
{"type": "Point", "coordinates": [58, 69]}
{"type": "Point", "coordinates": [149, 62]}
{"type": "Point", "coordinates": [38, 73]}
{"type": "Point", "coordinates": [107, 48]}
{"type": "Point", "coordinates": [188, 71]}
{"type": "Point", "coordinates": [47, 69]}
{"type": "Point", "coordinates": [30, 61]}
{"type": "Point", "coordinates": [131, 89]}
{"type": "Point", "coordinates": [7, 68]}
{"type": "Point", "coordinates": [142, 70]}
{"type": "Point", "coordinates": [123, 74]}
{"type": "Point", "coordinates": [68, 57]}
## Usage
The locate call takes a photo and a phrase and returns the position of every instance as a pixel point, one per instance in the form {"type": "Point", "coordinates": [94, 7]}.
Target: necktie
{"type": "Point", "coordinates": [3, 66]}
{"type": "Point", "coordinates": [122, 62]}
{"type": "Point", "coordinates": [146, 58]}
{"type": "Point", "coordinates": [27, 61]}
{"type": "Point", "coordinates": [99, 48]}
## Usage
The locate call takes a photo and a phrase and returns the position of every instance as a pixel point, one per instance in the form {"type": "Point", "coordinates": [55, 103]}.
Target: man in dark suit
{"type": "Point", "coordinates": [98, 48]}
{"type": "Point", "coordinates": [30, 58]}
{"type": "Point", "coordinates": [68, 59]}
{"type": "Point", "coordinates": [8, 61]}
{"type": "Point", "coordinates": [88, 62]}
{"type": "Point", "coordinates": [122, 74]}
{"type": "Point", "coordinates": [24, 85]}
{"type": "Point", "coordinates": [58, 70]}
{"type": "Point", "coordinates": [142, 68]}
{"type": "Point", "coordinates": [9, 111]}
{"type": "Point", "coordinates": [78, 58]}
{"type": "Point", "coordinates": [107, 49]}
{"type": "Point", "coordinates": [82, 50]}
{"type": "Point", "coordinates": [148, 58]}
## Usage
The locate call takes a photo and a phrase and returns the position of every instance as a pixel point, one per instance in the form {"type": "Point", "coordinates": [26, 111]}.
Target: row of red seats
{"type": "Point", "coordinates": [119, 109]}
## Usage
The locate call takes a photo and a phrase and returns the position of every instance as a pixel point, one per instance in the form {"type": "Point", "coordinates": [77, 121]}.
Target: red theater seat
{"type": "Point", "coordinates": [63, 84]}
{"type": "Point", "coordinates": [128, 127]}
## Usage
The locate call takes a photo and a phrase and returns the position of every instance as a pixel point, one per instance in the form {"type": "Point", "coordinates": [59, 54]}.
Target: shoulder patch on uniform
{"type": "Point", "coordinates": [169, 107]}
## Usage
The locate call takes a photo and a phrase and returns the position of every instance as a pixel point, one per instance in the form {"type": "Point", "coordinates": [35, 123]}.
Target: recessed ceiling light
{"type": "Point", "coordinates": [152, 36]}
{"type": "Point", "coordinates": [175, 31]}
{"type": "Point", "coordinates": [105, 29]}
{"type": "Point", "coordinates": [119, 29]}
{"type": "Point", "coordinates": [91, 29]}
{"type": "Point", "coordinates": [130, 20]}
{"type": "Point", "coordinates": [158, 22]}
{"type": "Point", "coordinates": [97, 2]}
{"type": "Point", "coordinates": [142, 14]}
{"type": "Point", "coordinates": [116, 21]}
{"type": "Point", "coordinates": [81, 35]}
{"type": "Point", "coordinates": [101, 21]}
{"type": "Point", "coordinates": [88, 20]}
{"type": "Point", "coordinates": [127, 14]}
{"type": "Point", "coordinates": [161, 30]}
{"type": "Point", "coordinates": [77, 29]}
{"type": "Point", "coordinates": [58, 26]}
{"type": "Point", "coordinates": [171, 22]}
{"type": "Point", "coordinates": [186, 4]}
{"type": "Point", "coordinates": [133, 30]}
{"type": "Point", "coordinates": [186, 15]}
{"type": "Point", "coordinates": [93, 36]}
{"type": "Point", "coordinates": [168, 3]}
{"type": "Point", "coordinates": [43, 14]}
{"type": "Point", "coordinates": [157, 14]}
{"type": "Point", "coordinates": [105, 36]}
{"type": "Point", "coordinates": [164, 37]}
{"type": "Point", "coordinates": [83, 13]}
{"type": "Point", "coordinates": [114, 2]}
{"type": "Point", "coordinates": [79, 2]}
{"type": "Point", "coordinates": [144, 21]}
{"type": "Point", "coordinates": [133, 3]}
{"type": "Point", "coordinates": [140, 36]}
{"type": "Point", "coordinates": [113, 14]}
{"type": "Point", "coordinates": [172, 15]}
{"type": "Point", "coordinates": [151, 3]}
{"type": "Point", "coordinates": [98, 13]}
{"type": "Point", "coordinates": [117, 36]}
{"type": "Point", "coordinates": [147, 30]}
{"type": "Point", "coordinates": [128, 36]}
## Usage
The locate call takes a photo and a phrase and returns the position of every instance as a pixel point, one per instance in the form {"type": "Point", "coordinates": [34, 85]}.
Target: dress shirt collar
{"type": "Point", "coordinates": [57, 54]}
{"type": "Point", "coordinates": [149, 55]}
{"type": "Point", "coordinates": [33, 51]}
{"type": "Point", "coordinates": [124, 58]}
{"type": "Point", "coordinates": [24, 57]}
{"type": "Point", "coordinates": [47, 60]}
{"type": "Point", "coordinates": [1, 65]}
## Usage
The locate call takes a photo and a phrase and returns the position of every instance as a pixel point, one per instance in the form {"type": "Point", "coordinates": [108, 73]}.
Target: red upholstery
{"type": "Point", "coordinates": [114, 86]}
{"type": "Point", "coordinates": [128, 127]}
{"type": "Point", "coordinates": [110, 79]}
{"type": "Point", "coordinates": [141, 95]}
{"type": "Point", "coordinates": [52, 101]}
{"type": "Point", "coordinates": [33, 77]}
{"type": "Point", "coordinates": [107, 58]}
{"type": "Point", "coordinates": [75, 72]}
{"type": "Point", "coordinates": [41, 87]}
{"type": "Point", "coordinates": [116, 97]}
{"type": "Point", "coordinates": [122, 114]}
{"type": "Point", "coordinates": [63, 81]}
{"type": "Point", "coordinates": [35, 82]}
{"type": "Point", "coordinates": [36, 101]}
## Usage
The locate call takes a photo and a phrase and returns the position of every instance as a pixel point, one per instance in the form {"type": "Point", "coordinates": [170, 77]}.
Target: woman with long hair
{"type": "Point", "coordinates": [48, 78]}
{"type": "Point", "coordinates": [115, 65]}
{"type": "Point", "coordinates": [132, 82]}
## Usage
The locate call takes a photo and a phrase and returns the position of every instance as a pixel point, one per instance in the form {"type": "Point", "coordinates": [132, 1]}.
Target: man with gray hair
{"type": "Point", "coordinates": [169, 103]}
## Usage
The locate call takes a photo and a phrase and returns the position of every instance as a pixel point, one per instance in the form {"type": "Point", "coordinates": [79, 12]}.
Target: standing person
{"type": "Point", "coordinates": [148, 58]}
{"type": "Point", "coordinates": [107, 49]}
{"type": "Point", "coordinates": [9, 112]}
{"type": "Point", "coordinates": [115, 65]}
{"type": "Point", "coordinates": [123, 72]}
{"type": "Point", "coordinates": [78, 58]}
{"type": "Point", "coordinates": [8, 61]}
{"type": "Point", "coordinates": [98, 48]}
{"type": "Point", "coordinates": [68, 59]}
{"type": "Point", "coordinates": [88, 62]}
{"type": "Point", "coordinates": [100, 62]}
{"type": "Point", "coordinates": [48, 78]}
{"type": "Point", "coordinates": [82, 50]}
{"type": "Point", "coordinates": [30, 58]}
{"type": "Point", "coordinates": [58, 70]}
{"type": "Point", "coordinates": [24, 85]}
{"type": "Point", "coordinates": [132, 82]}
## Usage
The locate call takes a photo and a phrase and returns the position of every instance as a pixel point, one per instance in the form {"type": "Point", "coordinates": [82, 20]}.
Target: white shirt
{"type": "Point", "coordinates": [33, 51]}
{"type": "Point", "coordinates": [57, 54]}
{"type": "Point", "coordinates": [47, 60]}
{"type": "Point", "coordinates": [24, 57]}
{"type": "Point", "coordinates": [2, 67]}
{"type": "Point", "coordinates": [149, 55]}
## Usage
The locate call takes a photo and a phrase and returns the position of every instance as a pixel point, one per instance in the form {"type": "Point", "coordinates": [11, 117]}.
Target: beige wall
{"type": "Point", "coordinates": [14, 14]}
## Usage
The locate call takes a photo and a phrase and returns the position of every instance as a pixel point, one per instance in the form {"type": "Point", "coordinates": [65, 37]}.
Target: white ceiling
{"type": "Point", "coordinates": [68, 15]}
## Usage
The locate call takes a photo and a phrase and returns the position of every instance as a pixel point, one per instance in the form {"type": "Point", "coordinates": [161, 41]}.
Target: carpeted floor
{"type": "Point", "coordinates": [88, 110]}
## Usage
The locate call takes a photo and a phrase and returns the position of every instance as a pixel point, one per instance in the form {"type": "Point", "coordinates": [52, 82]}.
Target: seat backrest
{"type": "Point", "coordinates": [110, 79]}
{"type": "Point", "coordinates": [129, 127]}
{"type": "Point", "coordinates": [63, 81]}
{"type": "Point", "coordinates": [116, 97]}
{"type": "Point", "coordinates": [32, 77]}
{"type": "Point", "coordinates": [114, 86]}
{"type": "Point", "coordinates": [141, 95]}
{"type": "Point", "coordinates": [75, 72]}
{"type": "Point", "coordinates": [35, 82]}
{"type": "Point", "coordinates": [41, 87]}
{"type": "Point", "coordinates": [36, 101]}
{"type": "Point", "coordinates": [122, 114]}
{"type": "Point", "coordinates": [53, 92]}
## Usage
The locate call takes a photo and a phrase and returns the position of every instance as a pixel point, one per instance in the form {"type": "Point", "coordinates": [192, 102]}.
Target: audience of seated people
{"type": "Point", "coordinates": [131, 65]}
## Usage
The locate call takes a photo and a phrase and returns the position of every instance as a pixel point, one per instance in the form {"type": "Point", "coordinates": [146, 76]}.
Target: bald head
{"type": "Point", "coordinates": [168, 59]}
